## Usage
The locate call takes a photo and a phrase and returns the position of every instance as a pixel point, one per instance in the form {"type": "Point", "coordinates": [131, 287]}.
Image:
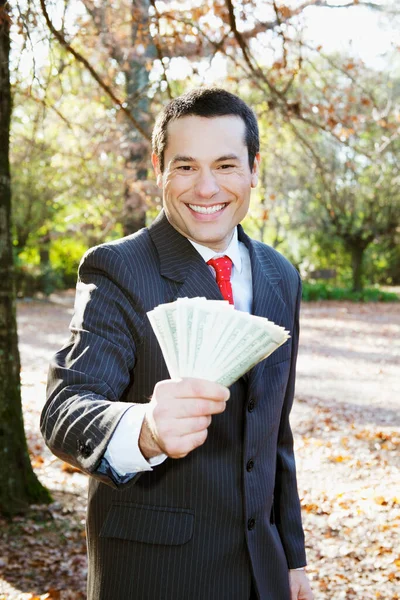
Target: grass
{"type": "Point", "coordinates": [323, 291]}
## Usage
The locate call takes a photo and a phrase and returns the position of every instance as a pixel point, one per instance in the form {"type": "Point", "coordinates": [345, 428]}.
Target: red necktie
{"type": "Point", "coordinates": [223, 270]}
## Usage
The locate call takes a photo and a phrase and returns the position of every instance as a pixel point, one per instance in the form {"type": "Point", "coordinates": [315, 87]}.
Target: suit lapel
{"type": "Point", "coordinates": [267, 299]}
{"type": "Point", "coordinates": [181, 263]}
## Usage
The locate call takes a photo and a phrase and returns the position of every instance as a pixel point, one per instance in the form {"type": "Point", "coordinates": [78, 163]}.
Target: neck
{"type": "Point", "coordinates": [216, 248]}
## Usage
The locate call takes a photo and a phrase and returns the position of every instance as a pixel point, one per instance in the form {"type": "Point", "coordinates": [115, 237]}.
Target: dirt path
{"type": "Point", "coordinates": [346, 422]}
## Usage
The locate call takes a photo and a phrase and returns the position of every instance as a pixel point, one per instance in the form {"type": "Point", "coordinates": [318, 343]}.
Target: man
{"type": "Point", "coordinates": [201, 499]}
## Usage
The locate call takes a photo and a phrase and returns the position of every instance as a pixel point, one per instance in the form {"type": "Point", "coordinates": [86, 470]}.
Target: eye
{"type": "Point", "coordinates": [225, 167]}
{"type": "Point", "coordinates": [185, 168]}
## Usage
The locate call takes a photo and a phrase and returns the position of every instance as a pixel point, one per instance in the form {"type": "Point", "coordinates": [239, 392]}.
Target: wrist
{"type": "Point", "coordinates": [147, 443]}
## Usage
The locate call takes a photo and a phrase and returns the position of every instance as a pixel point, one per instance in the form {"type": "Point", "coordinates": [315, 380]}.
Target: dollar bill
{"type": "Point", "coordinates": [209, 339]}
{"type": "Point", "coordinates": [163, 323]}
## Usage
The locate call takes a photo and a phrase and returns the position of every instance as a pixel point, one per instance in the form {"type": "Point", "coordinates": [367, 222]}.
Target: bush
{"type": "Point", "coordinates": [65, 255]}
{"type": "Point", "coordinates": [324, 291]}
{"type": "Point", "coordinates": [31, 279]}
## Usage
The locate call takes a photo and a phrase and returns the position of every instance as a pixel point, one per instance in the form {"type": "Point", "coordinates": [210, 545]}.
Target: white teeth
{"type": "Point", "coordinates": [207, 211]}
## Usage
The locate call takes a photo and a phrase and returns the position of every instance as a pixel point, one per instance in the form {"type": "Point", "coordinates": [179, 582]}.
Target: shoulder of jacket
{"type": "Point", "coordinates": [280, 262]}
{"type": "Point", "coordinates": [122, 247]}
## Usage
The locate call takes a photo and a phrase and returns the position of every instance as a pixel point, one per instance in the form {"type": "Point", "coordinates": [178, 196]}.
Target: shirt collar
{"type": "Point", "coordinates": [232, 251]}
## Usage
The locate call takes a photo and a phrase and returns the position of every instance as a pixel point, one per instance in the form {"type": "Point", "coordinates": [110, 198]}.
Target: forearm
{"type": "Point", "coordinates": [90, 374]}
{"type": "Point", "coordinates": [79, 419]}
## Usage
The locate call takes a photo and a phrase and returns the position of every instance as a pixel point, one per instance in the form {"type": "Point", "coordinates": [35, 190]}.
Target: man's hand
{"type": "Point", "coordinates": [299, 586]}
{"type": "Point", "coordinates": [178, 416]}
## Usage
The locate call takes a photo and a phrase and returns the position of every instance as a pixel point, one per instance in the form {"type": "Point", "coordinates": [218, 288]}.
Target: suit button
{"type": "Point", "coordinates": [251, 524]}
{"type": "Point", "coordinates": [251, 405]}
{"type": "Point", "coordinates": [250, 465]}
{"type": "Point", "coordinates": [87, 451]}
{"type": "Point", "coordinates": [84, 450]}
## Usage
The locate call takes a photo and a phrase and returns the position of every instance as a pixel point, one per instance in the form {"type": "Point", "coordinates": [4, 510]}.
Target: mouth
{"type": "Point", "coordinates": [207, 210]}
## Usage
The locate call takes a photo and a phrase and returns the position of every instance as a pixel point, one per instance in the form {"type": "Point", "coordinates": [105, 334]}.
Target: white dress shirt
{"type": "Point", "coordinates": [123, 452]}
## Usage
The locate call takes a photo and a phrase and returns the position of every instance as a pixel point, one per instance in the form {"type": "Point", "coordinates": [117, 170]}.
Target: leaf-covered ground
{"type": "Point", "coordinates": [346, 421]}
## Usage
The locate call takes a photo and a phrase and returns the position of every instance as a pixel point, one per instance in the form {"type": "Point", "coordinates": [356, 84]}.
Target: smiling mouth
{"type": "Point", "coordinates": [206, 210]}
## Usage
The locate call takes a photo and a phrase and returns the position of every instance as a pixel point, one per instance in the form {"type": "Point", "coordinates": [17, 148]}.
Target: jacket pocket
{"type": "Point", "coordinates": [148, 524]}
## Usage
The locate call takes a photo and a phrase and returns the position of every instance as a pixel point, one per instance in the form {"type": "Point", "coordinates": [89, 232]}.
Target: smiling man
{"type": "Point", "coordinates": [192, 490]}
{"type": "Point", "coordinates": [206, 177]}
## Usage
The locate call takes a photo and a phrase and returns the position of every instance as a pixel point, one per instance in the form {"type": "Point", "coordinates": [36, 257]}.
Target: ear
{"type": "Point", "coordinates": [156, 166]}
{"type": "Point", "coordinates": [255, 171]}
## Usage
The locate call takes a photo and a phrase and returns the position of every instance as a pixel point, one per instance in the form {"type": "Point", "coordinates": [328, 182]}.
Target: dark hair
{"type": "Point", "coordinates": [206, 102]}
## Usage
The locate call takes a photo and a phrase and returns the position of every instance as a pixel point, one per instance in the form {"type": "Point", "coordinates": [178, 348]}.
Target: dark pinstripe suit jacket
{"type": "Point", "coordinates": [201, 527]}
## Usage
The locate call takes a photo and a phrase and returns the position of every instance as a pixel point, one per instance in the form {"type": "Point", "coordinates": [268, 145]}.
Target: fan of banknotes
{"type": "Point", "coordinates": [211, 340]}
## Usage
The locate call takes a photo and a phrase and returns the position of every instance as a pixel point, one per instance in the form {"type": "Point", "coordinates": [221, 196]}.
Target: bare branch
{"type": "Point", "coordinates": [263, 26]}
{"type": "Point", "coordinates": [325, 4]}
{"type": "Point", "coordinates": [61, 39]}
{"type": "Point", "coordinates": [250, 61]}
{"type": "Point", "coordinates": [320, 165]}
{"type": "Point", "coordinates": [160, 53]}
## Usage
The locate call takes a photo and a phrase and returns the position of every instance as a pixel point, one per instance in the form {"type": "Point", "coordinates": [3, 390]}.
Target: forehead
{"type": "Point", "coordinates": [203, 137]}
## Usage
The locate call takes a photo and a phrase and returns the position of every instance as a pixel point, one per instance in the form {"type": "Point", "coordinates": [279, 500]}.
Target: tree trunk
{"type": "Point", "coordinates": [137, 81]}
{"type": "Point", "coordinates": [44, 250]}
{"type": "Point", "coordinates": [19, 486]}
{"type": "Point", "coordinates": [357, 255]}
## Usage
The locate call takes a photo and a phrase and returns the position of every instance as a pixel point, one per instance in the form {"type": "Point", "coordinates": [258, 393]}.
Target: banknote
{"type": "Point", "coordinates": [163, 322]}
{"type": "Point", "coordinates": [211, 340]}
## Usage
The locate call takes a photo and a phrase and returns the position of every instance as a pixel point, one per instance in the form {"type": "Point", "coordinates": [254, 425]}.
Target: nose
{"type": "Point", "coordinates": [206, 185]}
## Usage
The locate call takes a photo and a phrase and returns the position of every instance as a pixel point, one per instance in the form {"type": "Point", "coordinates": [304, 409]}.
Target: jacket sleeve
{"type": "Point", "coordinates": [89, 375]}
{"type": "Point", "coordinates": [286, 499]}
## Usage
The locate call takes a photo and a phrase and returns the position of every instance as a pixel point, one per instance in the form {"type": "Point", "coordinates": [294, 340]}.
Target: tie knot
{"type": "Point", "coordinates": [222, 267]}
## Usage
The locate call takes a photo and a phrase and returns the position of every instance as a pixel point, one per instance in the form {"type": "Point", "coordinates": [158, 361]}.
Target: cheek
{"type": "Point", "coordinates": [237, 185]}
{"type": "Point", "coordinates": [175, 187]}
{"type": "Point", "coordinates": [244, 199]}
{"type": "Point", "coordinates": [170, 191]}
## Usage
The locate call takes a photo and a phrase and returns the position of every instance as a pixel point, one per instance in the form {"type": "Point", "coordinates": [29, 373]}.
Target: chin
{"type": "Point", "coordinates": [215, 242]}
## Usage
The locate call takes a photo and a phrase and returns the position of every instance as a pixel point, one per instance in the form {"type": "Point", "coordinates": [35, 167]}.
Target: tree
{"type": "Point", "coordinates": [354, 196]}
{"type": "Point", "coordinates": [359, 205]}
{"type": "Point", "coordinates": [336, 192]}
{"type": "Point", "coordinates": [119, 44]}
{"type": "Point", "coordinates": [124, 53]}
{"type": "Point", "coordinates": [132, 49]}
{"type": "Point", "coordinates": [129, 46]}
{"type": "Point", "coordinates": [19, 486]}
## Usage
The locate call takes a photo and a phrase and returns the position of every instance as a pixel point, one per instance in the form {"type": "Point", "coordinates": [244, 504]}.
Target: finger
{"type": "Point", "coordinates": [197, 407]}
{"type": "Point", "coordinates": [190, 387]}
{"type": "Point", "coordinates": [192, 424]}
{"type": "Point", "coordinates": [181, 446]}
{"type": "Point", "coordinates": [192, 441]}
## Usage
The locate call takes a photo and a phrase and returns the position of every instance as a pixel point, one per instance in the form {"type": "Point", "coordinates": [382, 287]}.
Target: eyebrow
{"type": "Point", "coordinates": [182, 158]}
{"type": "Point", "coordinates": [228, 157]}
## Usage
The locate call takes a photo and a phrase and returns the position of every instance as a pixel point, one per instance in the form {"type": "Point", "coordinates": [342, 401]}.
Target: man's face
{"type": "Point", "coordinates": [207, 181]}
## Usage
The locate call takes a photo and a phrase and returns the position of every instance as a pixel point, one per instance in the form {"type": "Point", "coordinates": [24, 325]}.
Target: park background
{"type": "Point", "coordinates": [87, 80]}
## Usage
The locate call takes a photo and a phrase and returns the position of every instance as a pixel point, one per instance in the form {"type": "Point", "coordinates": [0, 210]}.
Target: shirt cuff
{"type": "Point", "coordinates": [123, 452]}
